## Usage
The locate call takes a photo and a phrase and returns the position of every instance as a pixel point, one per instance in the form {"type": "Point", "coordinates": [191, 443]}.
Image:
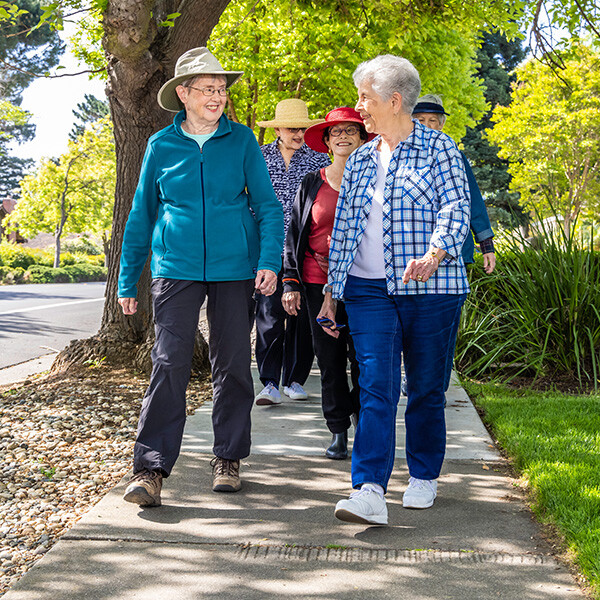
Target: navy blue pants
{"type": "Point", "coordinates": [229, 312]}
{"type": "Point", "coordinates": [284, 349]}
{"type": "Point", "coordinates": [384, 327]}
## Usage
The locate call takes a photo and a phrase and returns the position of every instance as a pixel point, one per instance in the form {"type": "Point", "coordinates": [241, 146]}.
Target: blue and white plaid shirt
{"type": "Point", "coordinates": [426, 203]}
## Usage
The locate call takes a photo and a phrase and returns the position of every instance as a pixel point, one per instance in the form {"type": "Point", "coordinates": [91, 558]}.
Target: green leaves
{"type": "Point", "coordinates": [310, 50]}
{"type": "Point", "coordinates": [169, 20]}
{"type": "Point", "coordinates": [537, 314]}
{"type": "Point", "coordinates": [74, 193]}
{"type": "Point", "coordinates": [10, 12]}
{"type": "Point", "coordinates": [550, 134]}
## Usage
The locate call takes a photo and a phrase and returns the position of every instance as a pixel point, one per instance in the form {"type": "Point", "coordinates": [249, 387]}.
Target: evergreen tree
{"type": "Point", "coordinates": [33, 52]}
{"type": "Point", "coordinates": [497, 57]}
{"type": "Point", "coordinates": [87, 112]}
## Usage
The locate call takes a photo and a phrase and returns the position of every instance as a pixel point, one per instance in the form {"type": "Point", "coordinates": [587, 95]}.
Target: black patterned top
{"type": "Point", "coordinates": [286, 181]}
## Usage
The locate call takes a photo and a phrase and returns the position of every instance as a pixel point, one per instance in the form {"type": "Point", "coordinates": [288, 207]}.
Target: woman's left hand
{"type": "Point", "coordinates": [265, 282]}
{"type": "Point", "coordinates": [489, 262]}
{"type": "Point", "coordinates": [291, 302]}
{"type": "Point", "coordinates": [421, 269]}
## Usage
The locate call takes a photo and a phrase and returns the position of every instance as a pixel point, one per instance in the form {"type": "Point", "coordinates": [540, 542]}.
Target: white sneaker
{"type": "Point", "coordinates": [420, 493]}
{"type": "Point", "coordinates": [363, 506]}
{"type": "Point", "coordinates": [270, 395]}
{"type": "Point", "coordinates": [295, 391]}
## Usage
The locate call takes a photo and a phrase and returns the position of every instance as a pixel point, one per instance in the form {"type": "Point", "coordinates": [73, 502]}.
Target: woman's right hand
{"type": "Point", "coordinates": [129, 305]}
{"type": "Point", "coordinates": [328, 310]}
{"type": "Point", "coordinates": [291, 302]}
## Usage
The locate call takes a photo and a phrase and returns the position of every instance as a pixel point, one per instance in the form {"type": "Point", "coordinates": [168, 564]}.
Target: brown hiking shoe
{"type": "Point", "coordinates": [226, 475]}
{"type": "Point", "coordinates": [144, 488]}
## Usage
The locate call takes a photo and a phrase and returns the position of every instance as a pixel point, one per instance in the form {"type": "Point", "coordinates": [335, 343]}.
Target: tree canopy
{"type": "Point", "coordinates": [23, 53]}
{"type": "Point", "coordinates": [73, 194]}
{"type": "Point", "coordinates": [550, 133]}
{"type": "Point", "coordinates": [497, 58]}
{"type": "Point", "coordinates": [310, 49]}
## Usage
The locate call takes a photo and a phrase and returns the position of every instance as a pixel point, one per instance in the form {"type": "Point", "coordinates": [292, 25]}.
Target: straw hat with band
{"type": "Point", "coordinates": [292, 113]}
{"type": "Point", "coordinates": [194, 62]}
{"type": "Point", "coordinates": [313, 136]}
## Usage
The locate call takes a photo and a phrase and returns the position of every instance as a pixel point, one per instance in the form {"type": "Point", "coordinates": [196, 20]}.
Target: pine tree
{"type": "Point", "coordinates": [87, 112]}
{"type": "Point", "coordinates": [497, 57]}
{"type": "Point", "coordinates": [33, 52]}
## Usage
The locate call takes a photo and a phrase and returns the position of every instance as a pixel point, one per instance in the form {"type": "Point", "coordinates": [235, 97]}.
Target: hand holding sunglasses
{"type": "Point", "coordinates": [329, 324]}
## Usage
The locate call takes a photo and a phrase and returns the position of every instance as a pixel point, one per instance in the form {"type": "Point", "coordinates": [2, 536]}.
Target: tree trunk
{"type": "Point", "coordinates": [141, 57]}
{"type": "Point", "coordinates": [57, 250]}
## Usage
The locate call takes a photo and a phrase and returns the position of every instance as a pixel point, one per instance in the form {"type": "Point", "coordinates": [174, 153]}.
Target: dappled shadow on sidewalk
{"type": "Point", "coordinates": [290, 500]}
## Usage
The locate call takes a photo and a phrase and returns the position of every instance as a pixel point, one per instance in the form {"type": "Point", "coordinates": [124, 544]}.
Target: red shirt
{"type": "Point", "coordinates": [319, 238]}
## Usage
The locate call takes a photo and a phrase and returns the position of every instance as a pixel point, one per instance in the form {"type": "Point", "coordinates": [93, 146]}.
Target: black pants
{"type": "Point", "coordinates": [333, 354]}
{"type": "Point", "coordinates": [283, 342]}
{"type": "Point", "coordinates": [177, 306]}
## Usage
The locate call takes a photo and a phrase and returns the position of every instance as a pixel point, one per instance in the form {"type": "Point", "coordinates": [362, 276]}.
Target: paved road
{"type": "Point", "coordinates": [41, 318]}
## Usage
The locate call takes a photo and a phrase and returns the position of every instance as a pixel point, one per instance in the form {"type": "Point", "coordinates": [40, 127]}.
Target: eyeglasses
{"type": "Point", "coordinates": [296, 129]}
{"type": "Point", "coordinates": [210, 91]}
{"type": "Point", "coordinates": [349, 130]}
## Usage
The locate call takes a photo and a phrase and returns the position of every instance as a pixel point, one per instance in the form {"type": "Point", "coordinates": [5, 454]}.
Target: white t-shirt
{"type": "Point", "coordinates": [369, 262]}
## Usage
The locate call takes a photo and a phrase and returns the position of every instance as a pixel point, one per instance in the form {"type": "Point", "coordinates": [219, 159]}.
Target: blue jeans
{"type": "Point", "coordinates": [384, 327]}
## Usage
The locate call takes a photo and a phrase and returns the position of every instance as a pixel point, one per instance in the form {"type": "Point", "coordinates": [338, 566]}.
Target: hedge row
{"type": "Point", "coordinates": [42, 274]}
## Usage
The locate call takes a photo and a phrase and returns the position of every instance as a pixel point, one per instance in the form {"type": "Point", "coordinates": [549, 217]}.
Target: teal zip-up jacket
{"type": "Point", "coordinates": [192, 208]}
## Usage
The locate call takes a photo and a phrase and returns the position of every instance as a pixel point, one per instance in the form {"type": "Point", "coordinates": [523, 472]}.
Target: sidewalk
{"type": "Point", "coordinates": [278, 536]}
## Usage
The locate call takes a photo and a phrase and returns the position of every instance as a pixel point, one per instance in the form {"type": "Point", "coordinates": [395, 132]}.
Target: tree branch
{"type": "Point", "coordinates": [45, 76]}
{"type": "Point", "coordinates": [586, 18]}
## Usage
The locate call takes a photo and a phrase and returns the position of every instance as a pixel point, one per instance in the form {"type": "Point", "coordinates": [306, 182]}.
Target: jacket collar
{"type": "Point", "coordinates": [416, 139]}
{"type": "Point", "coordinates": [223, 128]}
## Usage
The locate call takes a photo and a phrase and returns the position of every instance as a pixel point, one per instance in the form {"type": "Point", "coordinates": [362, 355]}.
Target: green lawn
{"type": "Point", "coordinates": [553, 440]}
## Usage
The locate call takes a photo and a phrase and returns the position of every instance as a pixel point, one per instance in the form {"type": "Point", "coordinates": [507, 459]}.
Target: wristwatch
{"type": "Point", "coordinates": [327, 289]}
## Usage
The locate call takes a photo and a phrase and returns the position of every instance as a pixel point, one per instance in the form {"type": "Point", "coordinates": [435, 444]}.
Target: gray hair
{"type": "Point", "coordinates": [436, 100]}
{"type": "Point", "coordinates": [388, 74]}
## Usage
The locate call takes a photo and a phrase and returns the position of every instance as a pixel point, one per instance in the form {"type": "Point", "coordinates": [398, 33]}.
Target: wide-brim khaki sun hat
{"type": "Point", "coordinates": [194, 62]}
{"type": "Point", "coordinates": [290, 113]}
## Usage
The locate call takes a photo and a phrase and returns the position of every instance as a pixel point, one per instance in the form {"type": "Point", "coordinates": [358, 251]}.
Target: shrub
{"type": "Point", "coordinates": [97, 260]}
{"type": "Point", "coordinates": [538, 314]}
{"type": "Point", "coordinates": [13, 255]}
{"type": "Point", "coordinates": [82, 245]}
{"type": "Point", "coordinates": [87, 272]}
{"type": "Point", "coordinates": [66, 259]}
{"type": "Point", "coordinates": [42, 274]}
{"type": "Point", "coordinates": [15, 275]}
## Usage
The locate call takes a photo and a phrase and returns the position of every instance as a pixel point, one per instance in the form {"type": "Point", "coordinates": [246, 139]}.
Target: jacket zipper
{"type": "Point", "coordinates": [203, 212]}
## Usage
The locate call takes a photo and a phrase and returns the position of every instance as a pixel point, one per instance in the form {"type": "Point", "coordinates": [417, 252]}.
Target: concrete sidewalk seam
{"type": "Point", "coordinates": [252, 550]}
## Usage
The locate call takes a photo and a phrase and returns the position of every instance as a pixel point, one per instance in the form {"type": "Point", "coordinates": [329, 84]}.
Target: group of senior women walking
{"type": "Point", "coordinates": [376, 238]}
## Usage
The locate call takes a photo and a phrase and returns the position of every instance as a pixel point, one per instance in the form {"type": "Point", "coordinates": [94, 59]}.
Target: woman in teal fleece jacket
{"type": "Point", "coordinates": [206, 209]}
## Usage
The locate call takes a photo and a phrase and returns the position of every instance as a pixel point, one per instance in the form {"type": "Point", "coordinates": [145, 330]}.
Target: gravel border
{"type": "Point", "coordinates": [65, 441]}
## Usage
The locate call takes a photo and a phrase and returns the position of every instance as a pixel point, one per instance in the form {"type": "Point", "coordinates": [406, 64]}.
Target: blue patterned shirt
{"type": "Point", "coordinates": [426, 203]}
{"type": "Point", "coordinates": [287, 180]}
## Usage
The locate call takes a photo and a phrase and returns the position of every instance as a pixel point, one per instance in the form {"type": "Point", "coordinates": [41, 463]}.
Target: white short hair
{"type": "Point", "coordinates": [388, 74]}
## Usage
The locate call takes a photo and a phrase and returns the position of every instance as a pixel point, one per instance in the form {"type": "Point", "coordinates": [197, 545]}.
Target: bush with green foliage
{"type": "Point", "coordinates": [13, 255]}
{"type": "Point", "coordinates": [86, 272]}
{"type": "Point", "coordinates": [41, 274]}
{"type": "Point", "coordinates": [16, 275]}
{"type": "Point", "coordinates": [537, 315]}
{"type": "Point", "coordinates": [32, 265]}
{"type": "Point", "coordinates": [82, 245]}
